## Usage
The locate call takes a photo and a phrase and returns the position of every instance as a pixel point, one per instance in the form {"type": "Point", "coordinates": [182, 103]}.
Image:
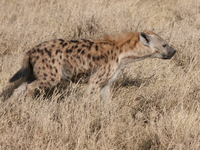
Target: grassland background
{"type": "Point", "coordinates": [155, 103]}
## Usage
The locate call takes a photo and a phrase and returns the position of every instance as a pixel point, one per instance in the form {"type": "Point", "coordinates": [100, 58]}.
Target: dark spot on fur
{"type": "Point", "coordinates": [109, 67]}
{"type": "Point", "coordinates": [78, 50]}
{"type": "Point", "coordinates": [69, 51]}
{"type": "Point", "coordinates": [56, 70]}
{"type": "Point", "coordinates": [58, 51]}
{"type": "Point", "coordinates": [105, 59]}
{"type": "Point", "coordinates": [84, 40]}
{"type": "Point", "coordinates": [60, 56]}
{"type": "Point", "coordinates": [53, 61]}
{"type": "Point", "coordinates": [74, 41]}
{"type": "Point", "coordinates": [93, 58]}
{"type": "Point", "coordinates": [45, 74]}
{"type": "Point", "coordinates": [78, 57]}
{"type": "Point", "coordinates": [100, 77]}
{"type": "Point", "coordinates": [52, 45]}
{"type": "Point", "coordinates": [43, 68]}
{"type": "Point", "coordinates": [61, 40]}
{"type": "Point", "coordinates": [111, 51]}
{"type": "Point", "coordinates": [90, 46]}
{"type": "Point", "coordinates": [65, 44]}
{"type": "Point", "coordinates": [38, 50]}
{"type": "Point", "coordinates": [90, 64]}
{"type": "Point", "coordinates": [108, 52]}
{"type": "Point", "coordinates": [52, 79]}
{"type": "Point", "coordinates": [48, 52]}
{"type": "Point", "coordinates": [82, 52]}
{"type": "Point", "coordinates": [44, 78]}
{"type": "Point", "coordinates": [108, 74]}
{"type": "Point", "coordinates": [50, 67]}
{"type": "Point", "coordinates": [75, 46]}
{"type": "Point", "coordinates": [43, 60]}
{"type": "Point", "coordinates": [117, 60]}
{"type": "Point", "coordinates": [37, 57]}
{"type": "Point", "coordinates": [98, 57]}
{"type": "Point", "coordinates": [41, 83]}
{"type": "Point", "coordinates": [83, 45]}
{"type": "Point", "coordinates": [39, 45]}
{"type": "Point", "coordinates": [96, 47]}
{"type": "Point", "coordinates": [89, 56]}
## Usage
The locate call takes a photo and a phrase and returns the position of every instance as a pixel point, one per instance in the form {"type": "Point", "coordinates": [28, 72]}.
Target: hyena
{"type": "Point", "coordinates": [100, 60]}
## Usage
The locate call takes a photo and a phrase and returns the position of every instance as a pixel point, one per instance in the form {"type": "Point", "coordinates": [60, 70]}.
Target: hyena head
{"type": "Point", "coordinates": [159, 47]}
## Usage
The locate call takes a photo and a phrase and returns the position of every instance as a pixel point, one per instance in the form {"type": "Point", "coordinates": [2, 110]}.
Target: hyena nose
{"type": "Point", "coordinates": [170, 53]}
{"type": "Point", "coordinates": [173, 52]}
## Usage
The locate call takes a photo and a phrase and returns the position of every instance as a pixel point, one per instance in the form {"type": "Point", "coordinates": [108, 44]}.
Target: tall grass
{"type": "Point", "coordinates": [155, 103]}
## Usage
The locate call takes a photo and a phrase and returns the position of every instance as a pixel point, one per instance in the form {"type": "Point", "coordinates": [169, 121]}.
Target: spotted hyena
{"type": "Point", "coordinates": [101, 60]}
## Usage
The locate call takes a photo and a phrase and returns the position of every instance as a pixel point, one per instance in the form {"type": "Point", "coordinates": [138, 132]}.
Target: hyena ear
{"type": "Point", "coordinates": [144, 38]}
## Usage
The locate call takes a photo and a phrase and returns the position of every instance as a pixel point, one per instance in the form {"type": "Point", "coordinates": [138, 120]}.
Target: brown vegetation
{"type": "Point", "coordinates": [155, 103]}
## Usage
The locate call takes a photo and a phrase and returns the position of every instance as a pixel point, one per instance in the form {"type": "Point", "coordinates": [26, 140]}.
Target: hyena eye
{"type": "Point", "coordinates": [164, 45]}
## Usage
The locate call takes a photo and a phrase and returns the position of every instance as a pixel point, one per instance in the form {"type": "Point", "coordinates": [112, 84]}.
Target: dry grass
{"type": "Point", "coordinates": [155, 104]}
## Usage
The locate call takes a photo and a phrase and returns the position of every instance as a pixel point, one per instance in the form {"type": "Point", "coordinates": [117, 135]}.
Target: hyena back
{"type": "Point", "coordinates": [101, 60]}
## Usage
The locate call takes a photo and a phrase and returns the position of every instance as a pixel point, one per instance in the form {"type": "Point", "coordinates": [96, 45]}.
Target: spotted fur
{"type": "Point", "coordinates": [101, 60]}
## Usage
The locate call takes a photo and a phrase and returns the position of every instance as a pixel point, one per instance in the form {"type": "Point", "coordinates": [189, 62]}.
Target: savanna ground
{"type": "Point", "coordinates": [155, 103]}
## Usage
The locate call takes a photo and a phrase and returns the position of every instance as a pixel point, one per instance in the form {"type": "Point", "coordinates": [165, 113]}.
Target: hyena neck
{"type": "Point", "coordinates": [133, 50]}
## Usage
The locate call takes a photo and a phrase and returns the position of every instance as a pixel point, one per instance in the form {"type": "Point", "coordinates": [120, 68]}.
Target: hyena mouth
{"type": "Point", "coordinates": [169, 56]}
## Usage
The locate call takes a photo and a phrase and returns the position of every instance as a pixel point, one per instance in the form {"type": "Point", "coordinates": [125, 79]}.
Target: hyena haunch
{"type": "Point", "coordinates": [101, 60]}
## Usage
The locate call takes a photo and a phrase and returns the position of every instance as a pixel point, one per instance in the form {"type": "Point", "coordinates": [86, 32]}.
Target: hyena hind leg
{"type": "Point", "coordinates": [17, 92]}
{"type": "Point", "coordinates": [39, 85]}
{"type": "Point", "coordinates": [20, 89]}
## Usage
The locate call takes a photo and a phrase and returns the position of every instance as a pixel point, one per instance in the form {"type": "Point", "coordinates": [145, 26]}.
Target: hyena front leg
{"type": "Point", "coordinates": [91, 89]}
{"type": "Point", "coordinates": [99, 82]}
{"type": "Point", "coordinates": [102, 80]}
{"type": "Point", "coordinates": [105, 92]}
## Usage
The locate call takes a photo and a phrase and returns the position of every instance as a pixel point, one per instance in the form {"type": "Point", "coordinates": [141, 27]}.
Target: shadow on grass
{"type": "Point", "coordinates": [137, 82]}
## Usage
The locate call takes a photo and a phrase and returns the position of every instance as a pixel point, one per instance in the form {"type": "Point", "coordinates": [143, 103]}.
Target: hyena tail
{"type": "Point", "coordinates": [25, 70]}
